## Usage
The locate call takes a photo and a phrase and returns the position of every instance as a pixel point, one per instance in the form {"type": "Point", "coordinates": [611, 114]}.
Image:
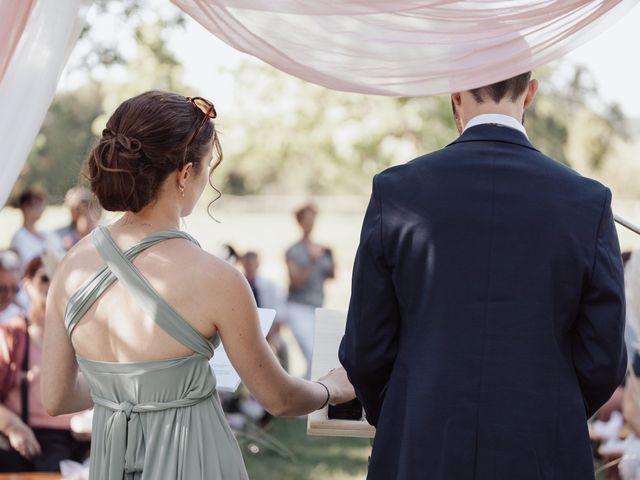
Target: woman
{"type": "Point", "coordinates": [35, 441]}
{"type": "Point", "coordinates": [309, 266]}
{"type": "Point", "coordinates": [142, 329]}
{"type": "Point", "coordinates": [29, 242]}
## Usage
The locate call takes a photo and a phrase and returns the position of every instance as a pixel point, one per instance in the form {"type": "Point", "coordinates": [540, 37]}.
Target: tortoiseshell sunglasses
{"type": "Point", "coordinates": [206, 107]}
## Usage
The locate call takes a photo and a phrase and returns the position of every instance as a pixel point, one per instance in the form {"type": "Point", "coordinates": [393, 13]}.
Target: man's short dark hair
{"type": "Point", "coordinates": [514, 86]}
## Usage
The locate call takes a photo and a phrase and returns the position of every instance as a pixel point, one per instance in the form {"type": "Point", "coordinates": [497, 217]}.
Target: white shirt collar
{"type": "Point", "coordinates": [496, 118]}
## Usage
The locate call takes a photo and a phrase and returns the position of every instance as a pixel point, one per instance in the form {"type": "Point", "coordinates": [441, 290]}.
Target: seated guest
{"type": "Point", "coordinates": [30, 439]}
{"type": "Point", "coordinates": [267, 295]}
{"type": "Point", "coordinates": [30, 242]}
{"type": "Point", "coordinates": [85, 214]}
{"type": "Point", "coordinates": [9, 288]}
{"type": "Point", "coordinates": [631, 402]}
{"type": "Point", "coordinates": [630, 339]}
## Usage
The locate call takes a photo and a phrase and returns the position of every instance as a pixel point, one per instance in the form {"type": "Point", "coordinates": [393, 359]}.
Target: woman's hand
{"type": "Point", "coordinates": [340, 389]}
{"type": "Point", "coordinates": [23, 440]}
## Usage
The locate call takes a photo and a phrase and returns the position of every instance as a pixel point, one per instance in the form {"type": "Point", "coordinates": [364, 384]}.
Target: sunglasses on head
{"type": "Point", "coordinates": [206, 107]}
{"type": "Point", "coordinates": [9, 289]}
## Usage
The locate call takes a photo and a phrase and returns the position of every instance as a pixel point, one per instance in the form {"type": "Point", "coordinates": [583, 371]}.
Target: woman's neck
{"type": "Point", "coordinates": [155, 217]}
{"type": "Point", "coordinates": [30, 226]}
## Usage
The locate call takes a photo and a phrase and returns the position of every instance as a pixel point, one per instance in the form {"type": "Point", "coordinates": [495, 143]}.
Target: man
{"type": "Point", "coordinates": [9, 285]}
{"type": "Point", "coordinates": [487, 310]}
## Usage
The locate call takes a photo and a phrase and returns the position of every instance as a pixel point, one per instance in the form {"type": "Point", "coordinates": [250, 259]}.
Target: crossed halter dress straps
{"type": "Point", "coordinates": [155, 419]}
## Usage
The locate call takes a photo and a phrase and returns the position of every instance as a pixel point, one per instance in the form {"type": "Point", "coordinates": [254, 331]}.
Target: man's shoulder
{"type": "Point", "coordinates": [410, 168]}
{"type": "Point", "coordinates": [570, 179]}
{"type": "Point", "coordinates": [430, 162]}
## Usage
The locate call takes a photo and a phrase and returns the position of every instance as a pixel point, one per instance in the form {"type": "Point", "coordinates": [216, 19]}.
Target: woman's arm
{"type": "Point", "coordinates": [63, 389]}
{"type": "Point", "coordinates": [236, 319]}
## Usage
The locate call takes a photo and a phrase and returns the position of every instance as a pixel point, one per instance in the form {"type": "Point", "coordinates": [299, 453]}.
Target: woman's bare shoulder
{"type": "Point", "coordinates": [212, 269]}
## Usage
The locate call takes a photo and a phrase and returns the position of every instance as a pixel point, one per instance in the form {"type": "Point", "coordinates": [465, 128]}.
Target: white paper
{"type": "Point", "coordinates": [227, 379]}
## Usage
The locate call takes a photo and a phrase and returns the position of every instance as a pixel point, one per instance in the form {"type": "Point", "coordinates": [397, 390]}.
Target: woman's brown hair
{"type": "Point", "coordinates": [147, 138]}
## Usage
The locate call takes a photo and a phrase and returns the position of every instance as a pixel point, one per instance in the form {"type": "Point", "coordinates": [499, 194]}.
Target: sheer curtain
{"type": "Point", "coordinates": [405, 47]}
{"type": "Point", "coordinates": [36, 39]}
{"type": "Point", "coordinates": [13, 20]}
{"type": "Point", "coordinates": [400, 47]}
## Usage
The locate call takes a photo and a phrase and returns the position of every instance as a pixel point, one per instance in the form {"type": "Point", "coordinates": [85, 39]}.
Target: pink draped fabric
{"type": "Point", "coordinates": [13, 18]}
{"type": "Point", "coordinates": [405, 47]}
{"type": "Point", "coordinates": [40, 39]}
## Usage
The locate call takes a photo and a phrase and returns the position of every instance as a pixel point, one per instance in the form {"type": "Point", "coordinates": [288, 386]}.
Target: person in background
{"type": "Point", "coordinates": [9, 285]}
{"type": "Point", "coordinates": [614, 404]}
{"type": "Point", "coordinates": [267, 295]}
{"type": "Point", "coordinates": [309, 266]}
{"type": "Point", "coordinates": [85, 215]}
{"type": "Point", "coordinates": [29, 242]}
{"type": "Point", "coordinates": [30, 439]}
{"type": "Point", "coordinates": [631, 400]}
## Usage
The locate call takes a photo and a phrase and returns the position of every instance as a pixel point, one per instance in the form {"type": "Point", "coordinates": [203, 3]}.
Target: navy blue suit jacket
{"type": "Point", "coordinates": [487, 313]}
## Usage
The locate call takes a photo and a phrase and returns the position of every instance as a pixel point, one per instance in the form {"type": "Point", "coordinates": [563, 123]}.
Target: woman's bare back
{"type": "Point", "coordinates": [116, 328]}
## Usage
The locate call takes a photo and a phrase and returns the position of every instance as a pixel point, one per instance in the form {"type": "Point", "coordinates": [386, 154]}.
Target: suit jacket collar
{"type": "Point", "coordinates": [488, 132]}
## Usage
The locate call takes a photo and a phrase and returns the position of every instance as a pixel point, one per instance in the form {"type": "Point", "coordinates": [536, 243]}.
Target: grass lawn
{"type": "Point", "coordinates": [301, 457]}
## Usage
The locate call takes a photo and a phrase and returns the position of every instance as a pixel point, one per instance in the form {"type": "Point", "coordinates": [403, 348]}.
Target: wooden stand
{"type": "Point", "coordinates": [329, 329]}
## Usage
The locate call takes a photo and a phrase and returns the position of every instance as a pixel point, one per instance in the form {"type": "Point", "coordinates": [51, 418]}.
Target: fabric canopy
{"type": "Point", "coordinates": [400, 47]}
{"type": "Point", "coordinates": [36, 38]}
{"type": "Point", "coordinates": [13, 20]}
{"type": "Point", "coordinates": [405, 47]}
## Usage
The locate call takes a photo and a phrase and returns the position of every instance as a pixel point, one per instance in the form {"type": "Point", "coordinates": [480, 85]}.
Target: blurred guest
{"type": "Point", "coordinates": [29, 242]}
{"type": "Point", "coordinates": [85, 214]}
{"type": "Point", "coordinates": [631, 325]}
{"type": "Point", "coordinates": [30, 439]}
{"type": "Point", "coordinates": [9, 286]}
{"type": "Point", "coordinates": [631, 402]}
{"type": "Point", "coordinates": [309, 266]}
{"type": "Point", "coordinates": [267, 295]}
{"type": "Point", "coordinates": [632, 294]}
{"type": "Point", "coordinates": [615, 403]}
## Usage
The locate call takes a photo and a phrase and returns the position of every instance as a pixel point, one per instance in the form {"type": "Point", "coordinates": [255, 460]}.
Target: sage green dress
{"type": "Point", "coordinates": [153, 420]}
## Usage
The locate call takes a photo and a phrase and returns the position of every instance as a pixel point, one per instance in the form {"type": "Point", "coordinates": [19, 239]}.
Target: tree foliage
{"type": "Point", "coordinates": [285, 135]}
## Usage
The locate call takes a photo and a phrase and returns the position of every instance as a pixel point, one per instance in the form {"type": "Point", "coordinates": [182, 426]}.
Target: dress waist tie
{"type": "Point", "coordinates": [124, 440]}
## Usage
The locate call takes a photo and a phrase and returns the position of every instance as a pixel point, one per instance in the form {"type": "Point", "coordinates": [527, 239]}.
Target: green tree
{"type": "Point", "coordinates": [285, 135]}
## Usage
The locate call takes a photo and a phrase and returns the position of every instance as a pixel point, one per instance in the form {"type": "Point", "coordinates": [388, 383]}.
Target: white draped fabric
{"type": "Point", "coordinates": [40, 34]}
{"type": "Point", "coordinates": [399, 47]}
{"type": "Point", "coordinates": [13, 20]}
{"type": "Point", "coordinates": [405, 47]}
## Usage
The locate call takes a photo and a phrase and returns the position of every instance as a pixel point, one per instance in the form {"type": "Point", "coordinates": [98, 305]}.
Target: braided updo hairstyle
{"type": "Point", "coordinates": [144, 141]}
